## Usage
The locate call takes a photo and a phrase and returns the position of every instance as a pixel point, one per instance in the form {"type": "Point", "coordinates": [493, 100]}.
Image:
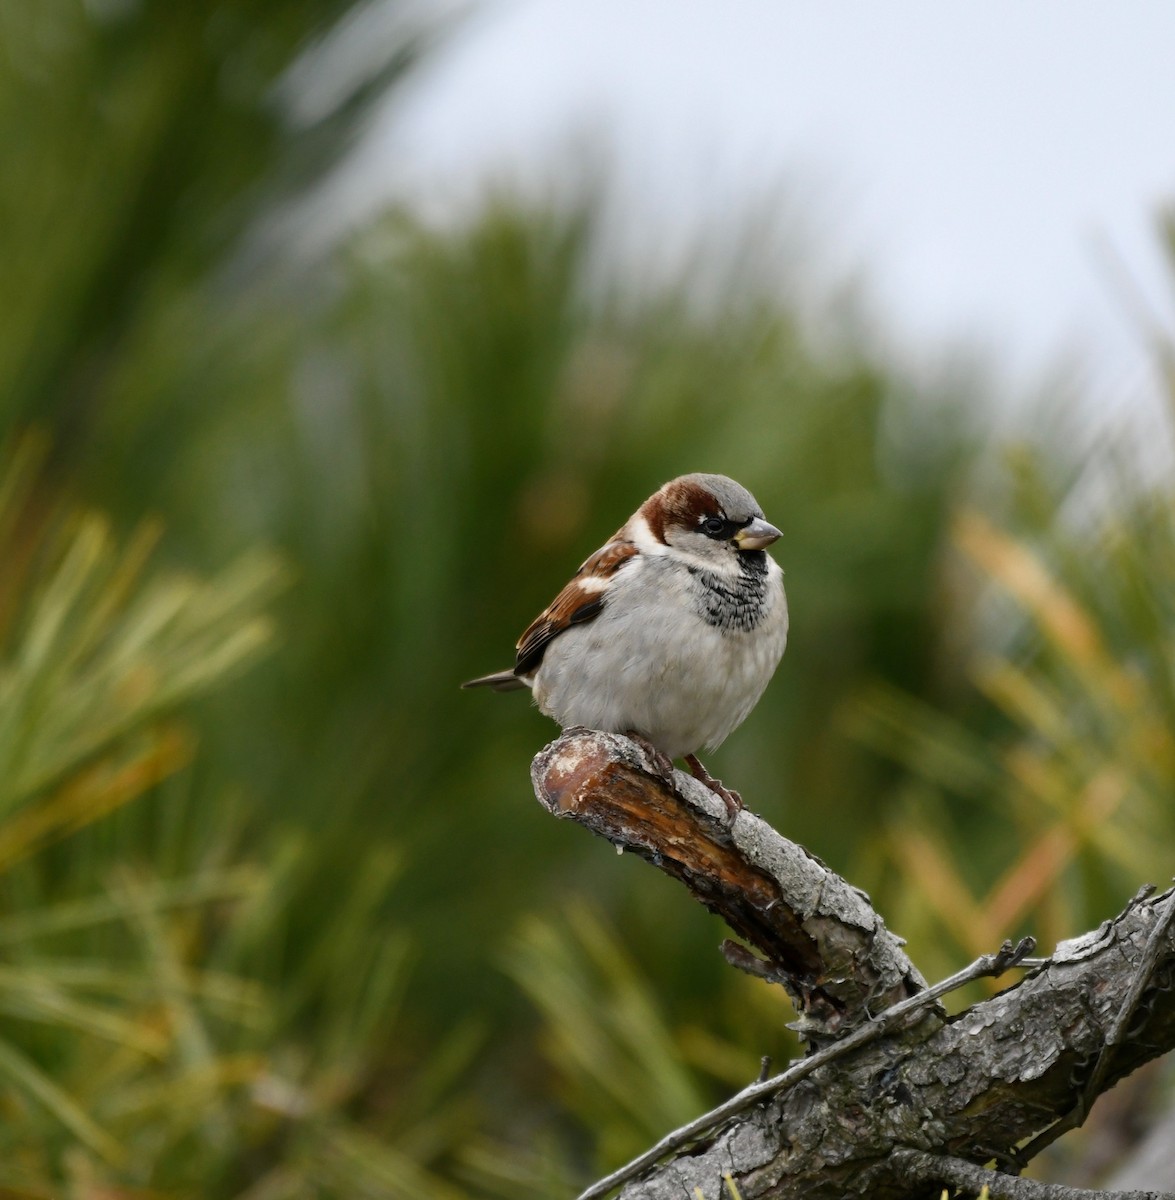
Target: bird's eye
{"type": "Point", "coordinates": [713, 526]}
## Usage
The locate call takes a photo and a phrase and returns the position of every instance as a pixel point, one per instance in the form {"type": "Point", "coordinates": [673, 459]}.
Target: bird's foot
{"type": "Point", "coordinates": [661, 761]}
{"type": "Point", "coordinates": [728, 796]}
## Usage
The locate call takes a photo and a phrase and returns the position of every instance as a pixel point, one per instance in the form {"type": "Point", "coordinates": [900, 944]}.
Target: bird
{"type": "Point", "coordinates": [669, 633]}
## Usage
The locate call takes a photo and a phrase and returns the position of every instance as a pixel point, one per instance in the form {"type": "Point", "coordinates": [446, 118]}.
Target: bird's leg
{"type": "Point", "coordinates": [661, 760]}
{"type": "Point", "coordinates": [728, 796]}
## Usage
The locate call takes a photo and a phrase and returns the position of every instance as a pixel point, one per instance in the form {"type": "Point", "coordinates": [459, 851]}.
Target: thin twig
{"type": "Point", "coordinates": [1076, 1116]}
{"type": "Point", "coordinates": [918, 1168]}
{"type": "Point", "coordinates": [987, 965]}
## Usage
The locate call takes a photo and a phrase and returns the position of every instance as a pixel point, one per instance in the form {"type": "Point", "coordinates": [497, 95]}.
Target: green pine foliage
{"type": "Point", "coordinates": [1078, 670]}
{"type": "Point", "coordinates": [300, 929]}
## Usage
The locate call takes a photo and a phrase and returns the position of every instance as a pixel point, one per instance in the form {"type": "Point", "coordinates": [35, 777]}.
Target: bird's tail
{"type": "Point", "coordinates": [500, 681]}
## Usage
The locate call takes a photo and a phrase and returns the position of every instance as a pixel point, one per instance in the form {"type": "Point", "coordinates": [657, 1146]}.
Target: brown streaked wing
{"type": "Point", "coordinates": [574, 605]}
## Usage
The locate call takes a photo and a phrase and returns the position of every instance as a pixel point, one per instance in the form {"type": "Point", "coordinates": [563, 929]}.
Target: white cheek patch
{"type": "Point", "coordinates": [642, 536]}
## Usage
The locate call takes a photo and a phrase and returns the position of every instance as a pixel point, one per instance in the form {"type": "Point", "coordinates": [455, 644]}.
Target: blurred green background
{"type": "Point", "coordinates": [280, 916]}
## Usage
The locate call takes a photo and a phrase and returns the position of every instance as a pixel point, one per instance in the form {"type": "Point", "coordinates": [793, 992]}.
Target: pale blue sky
{"type": "Point", "coordinates": [972, 156]}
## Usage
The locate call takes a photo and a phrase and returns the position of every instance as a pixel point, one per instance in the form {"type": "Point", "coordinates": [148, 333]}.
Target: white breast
{"type": "Point", "coordinates": [649, 663]}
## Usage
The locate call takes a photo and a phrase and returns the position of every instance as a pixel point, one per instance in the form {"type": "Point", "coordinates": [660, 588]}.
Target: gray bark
{"type": "Point", "coordinates": [965, 1090]}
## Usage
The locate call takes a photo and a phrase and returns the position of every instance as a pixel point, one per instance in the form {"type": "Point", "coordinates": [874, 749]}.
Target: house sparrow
{"type": "Point", "coordinates": [668, 633]}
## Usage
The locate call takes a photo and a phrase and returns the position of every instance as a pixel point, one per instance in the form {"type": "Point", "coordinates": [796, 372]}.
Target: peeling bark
{"type": "Point", "coordinates": [968, 1089]}
{"type": "Point", "coordinates": [818, 936]}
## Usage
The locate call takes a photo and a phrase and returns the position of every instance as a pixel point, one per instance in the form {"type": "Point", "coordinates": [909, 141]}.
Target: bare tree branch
{"type": "Point", "coordinates": [916, 1168]}
{"type": "Point", "coordinates": [988, 965]}
{"type": "Point", "coordinates": [967, 1090]}
{"type": "Point", "coordinates": [819, 936]}
{"type": "Point", "coordinates": [1075, 1117]}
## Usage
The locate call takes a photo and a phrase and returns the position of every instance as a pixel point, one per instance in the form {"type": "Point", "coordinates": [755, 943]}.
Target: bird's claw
{"type": "Point", "coordinates": [662, 763]}
{"type": "Point", "coordinates": [728, 796]}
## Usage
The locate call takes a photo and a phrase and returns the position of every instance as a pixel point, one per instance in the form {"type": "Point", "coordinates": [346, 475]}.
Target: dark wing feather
{"type": "Point", "coordinates": [574, 605]}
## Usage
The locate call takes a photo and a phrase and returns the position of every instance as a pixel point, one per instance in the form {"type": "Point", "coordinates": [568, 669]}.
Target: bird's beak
{"type": "Point", "coordinates": [757, 535]}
